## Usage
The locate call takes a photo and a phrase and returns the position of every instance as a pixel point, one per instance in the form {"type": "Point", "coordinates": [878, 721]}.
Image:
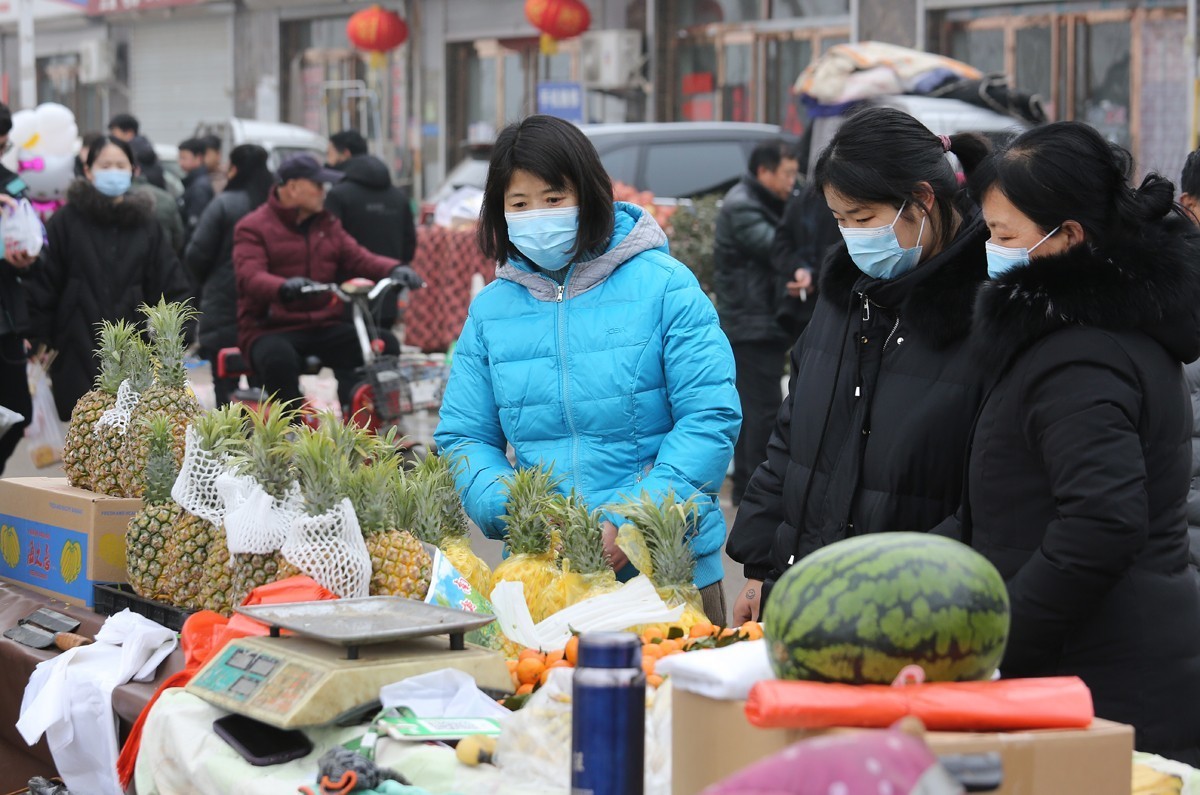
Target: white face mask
{"type": "Point", "coordinates": [1002, 259]}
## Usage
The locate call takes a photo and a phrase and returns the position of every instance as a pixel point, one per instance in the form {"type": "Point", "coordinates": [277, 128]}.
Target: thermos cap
{"type": "Point", "coordinates": [610, 650]}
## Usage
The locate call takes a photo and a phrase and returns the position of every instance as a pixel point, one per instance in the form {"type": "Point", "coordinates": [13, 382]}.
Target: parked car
{"type": "Point", "coordinates": [280, 140]}
{"type": "Point", "coordinates": [672, 160]}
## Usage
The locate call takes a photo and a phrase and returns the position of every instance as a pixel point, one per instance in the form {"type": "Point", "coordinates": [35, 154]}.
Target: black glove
{"type": "Point", "coordinates": [291, 289]}
{"type": "Point", "coordinates": [404, 276]}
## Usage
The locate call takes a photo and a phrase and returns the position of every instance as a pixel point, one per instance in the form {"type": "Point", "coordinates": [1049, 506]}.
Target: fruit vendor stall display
{"type": "Point", "coordinates": [116, 343]}
{"type": "Point", "coordinates": [438, 518]}
{"type": "Point", "coordinates": [533, 510]}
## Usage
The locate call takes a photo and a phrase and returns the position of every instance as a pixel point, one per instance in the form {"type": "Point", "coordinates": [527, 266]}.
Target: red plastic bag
{"type": "Point", "coordinates": [1007, 705]}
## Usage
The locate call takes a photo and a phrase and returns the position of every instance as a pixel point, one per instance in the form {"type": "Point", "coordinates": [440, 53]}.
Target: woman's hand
{"type": "Point", "coordinates": [616, 557]}
{"type": "Point", "coordinates": [18, 259]}
{"type": "Point", "coordinates": [748, 603]}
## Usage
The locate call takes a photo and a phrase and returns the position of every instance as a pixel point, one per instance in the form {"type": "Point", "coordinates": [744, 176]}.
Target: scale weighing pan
{"type": "Point", "coordinates": [367, 620]}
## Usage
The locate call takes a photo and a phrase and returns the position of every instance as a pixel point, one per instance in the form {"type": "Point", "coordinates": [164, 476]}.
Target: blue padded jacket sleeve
{"type": "Point", "coordinates": [699, 370]}
{"type": "Point", "coordinates": [470, 432]}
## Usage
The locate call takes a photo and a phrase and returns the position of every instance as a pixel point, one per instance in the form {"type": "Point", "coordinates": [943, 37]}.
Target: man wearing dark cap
{"type": "Point", "coordinates": [287, 244]}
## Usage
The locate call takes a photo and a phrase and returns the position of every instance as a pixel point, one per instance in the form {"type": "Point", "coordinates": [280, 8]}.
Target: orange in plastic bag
{"type": "Point", "coordinates": [1061, 702]}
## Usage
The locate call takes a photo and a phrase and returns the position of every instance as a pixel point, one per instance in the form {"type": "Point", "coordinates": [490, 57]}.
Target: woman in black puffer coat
{"type": "Point", "coordinates": [209, 255]}
{"type": "Point", "coordinates": [105, 256]}
{"type": "Point", "coordinates": [1079, 467]}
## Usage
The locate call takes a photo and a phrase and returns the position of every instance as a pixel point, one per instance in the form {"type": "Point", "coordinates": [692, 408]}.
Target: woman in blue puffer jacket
{"type": "Point", "coordinates": [594, 351]}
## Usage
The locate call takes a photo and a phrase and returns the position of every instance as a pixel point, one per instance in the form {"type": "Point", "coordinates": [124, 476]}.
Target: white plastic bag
{"type": "Point", "coordinates": [21, 229]}
{"type": "Point", "coordinates": [45, 433]}
{"type": "Point", "coordinates": [330, 549]}
{"type": "Point", "coordinates": [9, 418]}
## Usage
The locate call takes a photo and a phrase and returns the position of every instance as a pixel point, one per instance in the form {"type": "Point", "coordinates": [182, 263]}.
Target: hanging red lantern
{"type": "Point", "coordinates": [557, 19]}
{"type": "Point", "coordinates": [377, 31]}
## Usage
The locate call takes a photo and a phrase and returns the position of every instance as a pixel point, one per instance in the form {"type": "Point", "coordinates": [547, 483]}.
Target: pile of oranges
{"type": "Point", "coordinates": [532, 668]}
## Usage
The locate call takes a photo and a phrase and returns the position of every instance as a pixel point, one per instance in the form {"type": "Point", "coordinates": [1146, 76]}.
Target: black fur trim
{"type": "Point", "coordinates": [935, 300]}
{"type": "Point", "coordinates": [134, 209]}
{"type": "Point", "coordinates": [1149, 282]}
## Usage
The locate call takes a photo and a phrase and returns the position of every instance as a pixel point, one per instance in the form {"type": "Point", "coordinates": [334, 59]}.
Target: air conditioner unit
{"type": "Point", "coordinates": [95, 62]}
{"type": "Point", "coordinates": [610, 58]}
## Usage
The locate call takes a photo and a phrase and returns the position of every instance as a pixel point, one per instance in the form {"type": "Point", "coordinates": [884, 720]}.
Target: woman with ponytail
{"type": "Point", "coordinates": [1080, 462]}
{"type": "Point", "coordinates": [872, 435]}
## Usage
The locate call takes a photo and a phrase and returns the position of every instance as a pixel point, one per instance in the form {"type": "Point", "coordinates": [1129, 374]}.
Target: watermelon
{"type": "Point", "coordinates": [860, 610]}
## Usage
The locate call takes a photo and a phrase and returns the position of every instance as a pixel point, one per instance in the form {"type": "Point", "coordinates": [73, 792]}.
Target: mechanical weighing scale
{"type": "Point", "coordinates": [342, 652]}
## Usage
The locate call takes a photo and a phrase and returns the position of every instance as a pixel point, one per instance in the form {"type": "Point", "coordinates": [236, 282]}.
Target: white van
{"type": "Point", "coordinates": [280, 140]}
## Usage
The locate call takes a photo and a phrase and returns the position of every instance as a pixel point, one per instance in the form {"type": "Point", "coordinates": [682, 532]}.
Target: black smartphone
{"type": "Point", "coordinates": [261, 744]}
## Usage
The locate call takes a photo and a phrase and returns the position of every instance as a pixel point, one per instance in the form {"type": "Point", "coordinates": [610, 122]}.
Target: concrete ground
{"type": "Point", "coordinates": [324, 389]}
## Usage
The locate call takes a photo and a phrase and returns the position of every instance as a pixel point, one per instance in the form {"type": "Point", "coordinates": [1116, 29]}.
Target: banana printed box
{"type": "Point", "coordinates": [58, 540]}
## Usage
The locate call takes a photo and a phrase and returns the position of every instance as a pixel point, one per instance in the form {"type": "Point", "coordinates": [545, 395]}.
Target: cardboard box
{"type": "Point", "coordinates": [58, 540]}
{"type": "Point", "coordinates": [711, 740]}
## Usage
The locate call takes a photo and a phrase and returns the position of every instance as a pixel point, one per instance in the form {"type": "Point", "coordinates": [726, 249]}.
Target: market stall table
{"type": "Point", "coordinates": [19, 762]}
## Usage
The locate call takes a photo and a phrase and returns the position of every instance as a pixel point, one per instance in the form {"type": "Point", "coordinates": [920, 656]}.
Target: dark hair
{"type": "Point", "coordinates": [212, 143]}
{"type": "Point", "coordinates": [144, 155]}
{"type": "Point", "coordinates": [349, 141]}
{"type": "Point", "coordinates": [1067, 171]}
{"type": "Point", "coordinates": [252, 174]}
{"type": "Point", "coordinates": [769, 154]}
{"type": "Point", "coordinates": [881, 155]}
{"type": "Point", "coordinates": [558, 153]}
{"type": "Point", "coordinates": [94, 152]}
{"type": "Point", "coordinates": [90, 139]}
{"type": "Point", "coordinates": [124, 122]}
{"type": "Point", "coordinates": [194, 145]}
{"type": "Point", "coordinates": [5, 119]}
{"type": "Point", "coordinates": [1189, 181]}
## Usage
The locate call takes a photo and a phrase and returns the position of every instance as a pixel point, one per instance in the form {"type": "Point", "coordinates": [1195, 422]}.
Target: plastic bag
{"type": "Point", "coordinates": [21, 230]}
{"type": "Point", "coordinates": [1154, 775]}
{"type": "Point", "coordinates": [330, 549]}
{"type": "Point", "coordinates": [9, 418]}
{"type": "Point", "coordinates": [45, 433]}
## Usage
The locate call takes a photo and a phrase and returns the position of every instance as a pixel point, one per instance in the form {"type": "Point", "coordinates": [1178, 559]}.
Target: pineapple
{"type": "Point", "coordinates": [533, 511]}
{"type": "Point", "coordinates": [587, 570]}
{"type": "Point", "coordinates": [107, 454]}
{"type": "Point", "coordinates": [170, 395]}
{"type": "Point", "coordinates": [216, 590]}
{"type": "Point", "coordinates": [321, 469]}
{"type": "Point", "coordinates": [400, 566]}
{"type": "Point", "coordinates": [438, 518]}
{"type": "Point", "coordinates": [115, 341]}
{"type": "Point", "coordinates": [656, 540]}
{"type": "Point", "coordinates": [162, 528]}
{"type": "Point", "coordinates": [267, 458]}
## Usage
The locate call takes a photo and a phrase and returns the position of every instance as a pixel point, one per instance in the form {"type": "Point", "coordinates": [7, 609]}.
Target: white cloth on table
{"type": "Point", "coordinates": [727, 673]}
{"type": "Point", "coordinates": [69, 699]}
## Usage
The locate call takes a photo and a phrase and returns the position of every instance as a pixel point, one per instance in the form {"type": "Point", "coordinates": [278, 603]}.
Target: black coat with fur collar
{"type": "Point", "coordinates": [1079, 471]}
{"type": "Point", "coordinates": [103, 259]}
{"type": "Point", "coordinates": [883, 387]}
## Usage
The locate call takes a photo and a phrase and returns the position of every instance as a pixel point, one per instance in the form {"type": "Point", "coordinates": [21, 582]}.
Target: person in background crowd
{"type": "Point", "coordinates": [1189, 186]}
{"type": "Point", "coordinates": [14, 317]}
{"type": "Point", "coordinates": [749, 295]}
{"type": "Point", "coordinates": [197, 189]}
{"type": "Point", "coordinates": [594, 352]}
{"type": "Point", "coordinates": [105, 256]}
{"type": "Point", "coordinates": [126, 127]}
{"type": "Point", "coordinates": [166, 210]}
{"type": "Point", "coordinates": [210, 255]}
{"type": "Point", "coordinates": [805, 236]}
{"type": "Point", "coordinates": [289, 243]}
{"type": "Point", "coordinates": [872, 435]}
{"type": "Point", "coordinates": [212, 161]}
{"type": "Point", "coordinates": [1079, 464]}
{"type": "Point", "coordinates": [375, 213]}
{"type": "Point", "coordinates": [86, 142]}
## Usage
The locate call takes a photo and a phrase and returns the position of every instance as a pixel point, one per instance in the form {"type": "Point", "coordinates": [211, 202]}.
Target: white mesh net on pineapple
{"type": "Point", "coordinates": [118, 415]}
{"type": "Point", "coordinates": [330, 549]}
{"type": "Point", "coordinates": [255, 522]}
{"type": "Point", "coordinates": [196, 487]}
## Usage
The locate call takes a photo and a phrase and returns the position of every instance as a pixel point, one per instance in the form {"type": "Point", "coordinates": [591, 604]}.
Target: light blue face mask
{"type": "Point", "coordinates": [547, 237]}
{"type": "Point", "coordinates": [112, 181]}
{"type": "Point", "coordinates": [877, 252]}
{"type": "Point", "coordinates": [1002, 259]}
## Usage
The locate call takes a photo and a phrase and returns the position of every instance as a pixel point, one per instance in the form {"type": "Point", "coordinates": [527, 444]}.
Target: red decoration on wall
{"type": "Point", "coordinates": [377, 31]}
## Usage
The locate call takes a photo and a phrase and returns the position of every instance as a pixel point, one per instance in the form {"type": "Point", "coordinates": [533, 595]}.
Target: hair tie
{"type": "Point", "coordinates": [945, 142]}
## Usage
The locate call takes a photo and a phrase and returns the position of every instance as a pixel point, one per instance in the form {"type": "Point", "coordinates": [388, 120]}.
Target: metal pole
{"type": "Point", "coordinates": [1190, 49]}
{"type": "Point", "coordinates": [652, 59]}
{"type": "Point", "coordinates": [28, 61]}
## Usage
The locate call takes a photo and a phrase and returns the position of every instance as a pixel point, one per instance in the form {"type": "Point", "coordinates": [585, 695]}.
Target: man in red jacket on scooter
{"type": "Point", "coordinates": [288, 244]}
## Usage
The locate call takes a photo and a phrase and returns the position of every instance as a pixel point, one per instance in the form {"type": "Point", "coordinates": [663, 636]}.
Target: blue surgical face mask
{"type": "Point", "coordinates": [547, 237]}
{"type": "Point", "coordinates": [877, 252]}
{"type": "Point", "coordinates": [112, 181]}
{"type": "Point", "coordinates": [1002, 259]}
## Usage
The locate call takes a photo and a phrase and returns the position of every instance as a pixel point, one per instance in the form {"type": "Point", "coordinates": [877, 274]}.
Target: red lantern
{"type": "Point", "coordinates": [557, 19]}
{"type": "Point", "coordinates": [377, 31]}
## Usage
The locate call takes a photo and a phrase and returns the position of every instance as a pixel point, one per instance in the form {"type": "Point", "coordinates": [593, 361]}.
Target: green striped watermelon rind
{"type": "Point", "coordinates": [860, 610]}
